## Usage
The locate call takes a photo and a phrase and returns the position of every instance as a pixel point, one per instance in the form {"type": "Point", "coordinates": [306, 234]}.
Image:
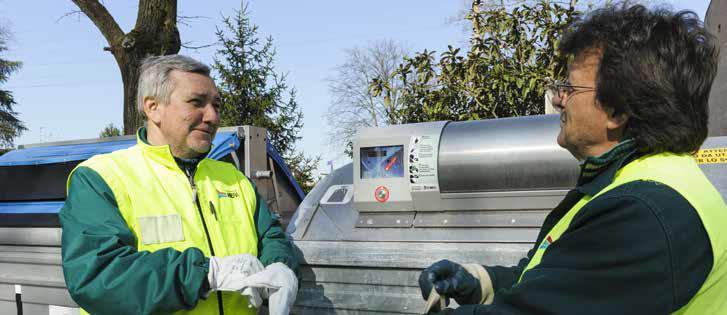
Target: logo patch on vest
{"type": "Point", "coordinates": [546, 242]}
{"type": "Point", "coordinates": [227, 194]}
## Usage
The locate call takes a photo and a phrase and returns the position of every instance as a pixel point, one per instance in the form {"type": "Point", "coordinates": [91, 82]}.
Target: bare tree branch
{"type": "Point", "coordinates": [184, 19]}
{"type": "Point", "coordinates": [77, 13]}
{"type": "Point", "coordinates": [188, 46]}
{"type": "Point", "coordinates": [189, 17]}
{"type": "Point", "coordinates": [102, 19]}
{"type": "Point", "coordinates": [352, 105]}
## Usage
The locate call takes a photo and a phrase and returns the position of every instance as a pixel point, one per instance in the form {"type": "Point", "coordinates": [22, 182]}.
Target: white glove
{"type": "Point", "coordinates": [229, 273]}
{"type": "Point", "coordinates": [278, 284]}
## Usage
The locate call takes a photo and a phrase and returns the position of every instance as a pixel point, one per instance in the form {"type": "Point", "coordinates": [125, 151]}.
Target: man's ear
{"type": "Point", "coordinates": [617, 121]}
{"type": "Point", "coordinates": [152, 109]}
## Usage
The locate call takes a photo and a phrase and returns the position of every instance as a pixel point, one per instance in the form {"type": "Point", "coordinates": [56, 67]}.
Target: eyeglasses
{"type": "Point", "coordinates": [563, 90]}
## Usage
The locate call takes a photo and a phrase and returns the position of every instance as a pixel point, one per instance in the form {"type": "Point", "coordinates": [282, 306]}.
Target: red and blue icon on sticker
{"type": "Point", "coordinates": [381, 194]}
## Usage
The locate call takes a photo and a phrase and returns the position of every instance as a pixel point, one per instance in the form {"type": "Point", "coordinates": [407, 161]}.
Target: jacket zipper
{"type": "Point", "coordinates": [190, 176]}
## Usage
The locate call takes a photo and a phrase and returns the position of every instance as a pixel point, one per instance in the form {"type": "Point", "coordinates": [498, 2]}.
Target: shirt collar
{"type": "Point", "coordinates": [599, 171]}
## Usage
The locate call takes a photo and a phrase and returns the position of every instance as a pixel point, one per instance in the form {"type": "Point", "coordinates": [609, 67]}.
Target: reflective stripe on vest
{"type": "Point", "coordinates": [681, 173]}
{"type": "Point", "coordinates": [155, 199]}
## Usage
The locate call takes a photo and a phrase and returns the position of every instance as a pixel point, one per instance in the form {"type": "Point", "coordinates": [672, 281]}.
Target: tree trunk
{"type": "Point", "coordinates": [154, 34]}
{"type": "Point", "coordinates": [130, 78]}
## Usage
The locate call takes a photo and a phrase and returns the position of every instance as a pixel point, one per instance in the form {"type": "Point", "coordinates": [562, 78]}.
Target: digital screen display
{"type": "Point", "coordinates": [382, 162]}
{"type": "Point", "coordinates": [338, 195]}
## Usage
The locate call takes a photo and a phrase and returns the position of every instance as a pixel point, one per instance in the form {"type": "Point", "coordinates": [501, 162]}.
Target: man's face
{"type": "Point", "coordinates": [189, 121]}
{"type": "Point", "coordinates": [586, 129]}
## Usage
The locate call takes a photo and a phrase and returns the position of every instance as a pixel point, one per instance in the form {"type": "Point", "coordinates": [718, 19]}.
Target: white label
{"type": "Point", "coordinates": [423, 154]}
{"type": "Point", "coordinates": [18, 289]}
{"type": "Point", "coordinates": [161, 229]}
{"type": "Point", "coordinates": [61, 310]}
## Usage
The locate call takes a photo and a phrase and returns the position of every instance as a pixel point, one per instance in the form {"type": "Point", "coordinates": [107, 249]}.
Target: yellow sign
{"type": "Point", "coordinates": [711, 156]}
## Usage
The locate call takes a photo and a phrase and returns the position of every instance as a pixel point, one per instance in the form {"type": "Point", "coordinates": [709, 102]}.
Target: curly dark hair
{"type": "Point", "coordinates": [656, 66]}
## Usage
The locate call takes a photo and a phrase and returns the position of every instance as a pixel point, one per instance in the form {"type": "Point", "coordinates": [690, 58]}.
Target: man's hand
{"type": "Point", "coordinates": [229, 274]}
{"type": "Point", "coordinates": [279, 284]}
{"type": "Point", "coordinates": [451, 280]}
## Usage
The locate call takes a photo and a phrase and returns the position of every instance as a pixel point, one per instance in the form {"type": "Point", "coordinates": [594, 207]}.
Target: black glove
{"type": "Point", "coordinates": [450, 280]}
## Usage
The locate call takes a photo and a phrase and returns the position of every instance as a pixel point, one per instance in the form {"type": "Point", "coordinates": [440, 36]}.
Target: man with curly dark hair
{"type": "Point", "coordinates": [644, 231]}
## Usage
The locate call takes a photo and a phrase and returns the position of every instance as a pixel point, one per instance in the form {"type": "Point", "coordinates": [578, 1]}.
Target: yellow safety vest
{"type": "Point", "coordinates": [681, 173]}
{"type": "Point", "coordinates": [156, 200]}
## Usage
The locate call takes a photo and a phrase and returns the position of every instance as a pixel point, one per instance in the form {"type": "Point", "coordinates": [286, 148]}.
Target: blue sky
{"type": "Point", "coordinates": [69, 88]}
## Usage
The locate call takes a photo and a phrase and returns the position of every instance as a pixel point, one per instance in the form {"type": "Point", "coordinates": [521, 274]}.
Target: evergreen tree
{"type": "Point", "coordinates": [10, 126]}
{"type": "Point", "coordinates": [254, 94]}
{"type": "Point", "coordinates": [110, 131]}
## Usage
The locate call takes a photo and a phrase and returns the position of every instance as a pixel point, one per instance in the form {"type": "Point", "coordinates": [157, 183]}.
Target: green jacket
{"type": "Point", "coordinates": [95, 233]}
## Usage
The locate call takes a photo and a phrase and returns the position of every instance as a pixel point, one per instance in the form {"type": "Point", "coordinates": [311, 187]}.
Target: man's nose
{"type": "Point", "coordinates": [211, 114]}
{"type": "Point", "coordinates": [557, 102]}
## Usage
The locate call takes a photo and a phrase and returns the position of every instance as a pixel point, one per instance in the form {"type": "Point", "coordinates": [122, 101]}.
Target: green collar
{"type": "Point", "coordinates": [141, 135]}
{"type": "Point", "coordinates": [597, 172]}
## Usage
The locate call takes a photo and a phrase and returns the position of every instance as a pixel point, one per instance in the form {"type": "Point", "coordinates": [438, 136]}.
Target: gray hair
{"type": "Point", "coordinates": [154, 77]}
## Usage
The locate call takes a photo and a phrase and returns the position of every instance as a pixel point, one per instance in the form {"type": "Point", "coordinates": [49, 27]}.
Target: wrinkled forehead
{"type": "Point", "coordinates": [192, 84]}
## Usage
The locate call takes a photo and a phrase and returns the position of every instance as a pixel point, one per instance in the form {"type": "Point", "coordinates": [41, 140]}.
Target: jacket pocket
{"type": "Point", "coordinates": [160, 229]}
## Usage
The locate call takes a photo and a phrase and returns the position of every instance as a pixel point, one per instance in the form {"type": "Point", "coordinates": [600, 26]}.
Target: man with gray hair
{"type": "Point", "coordinates": [159, 228]}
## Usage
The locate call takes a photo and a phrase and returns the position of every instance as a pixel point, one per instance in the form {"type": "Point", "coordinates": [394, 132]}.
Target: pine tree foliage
{"type": "Point", "coordinates": [110, 131]}
{"type": "Point", "coordinates": [10, 126]}
{"type": "Point", "coordinates": [253, 93]}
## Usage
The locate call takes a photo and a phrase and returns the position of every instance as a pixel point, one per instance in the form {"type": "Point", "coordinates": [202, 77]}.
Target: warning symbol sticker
{"type": "Point", "coordinates": [381, 194]}
{"type": "Point", "coordinates": [711, 156]}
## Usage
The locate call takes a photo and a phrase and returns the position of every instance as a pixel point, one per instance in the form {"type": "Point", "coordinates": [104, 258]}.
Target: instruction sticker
{"type": "Point", "coordinates": [711, 156]}
{"type": "Point", "coordinates": [423, 154]}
